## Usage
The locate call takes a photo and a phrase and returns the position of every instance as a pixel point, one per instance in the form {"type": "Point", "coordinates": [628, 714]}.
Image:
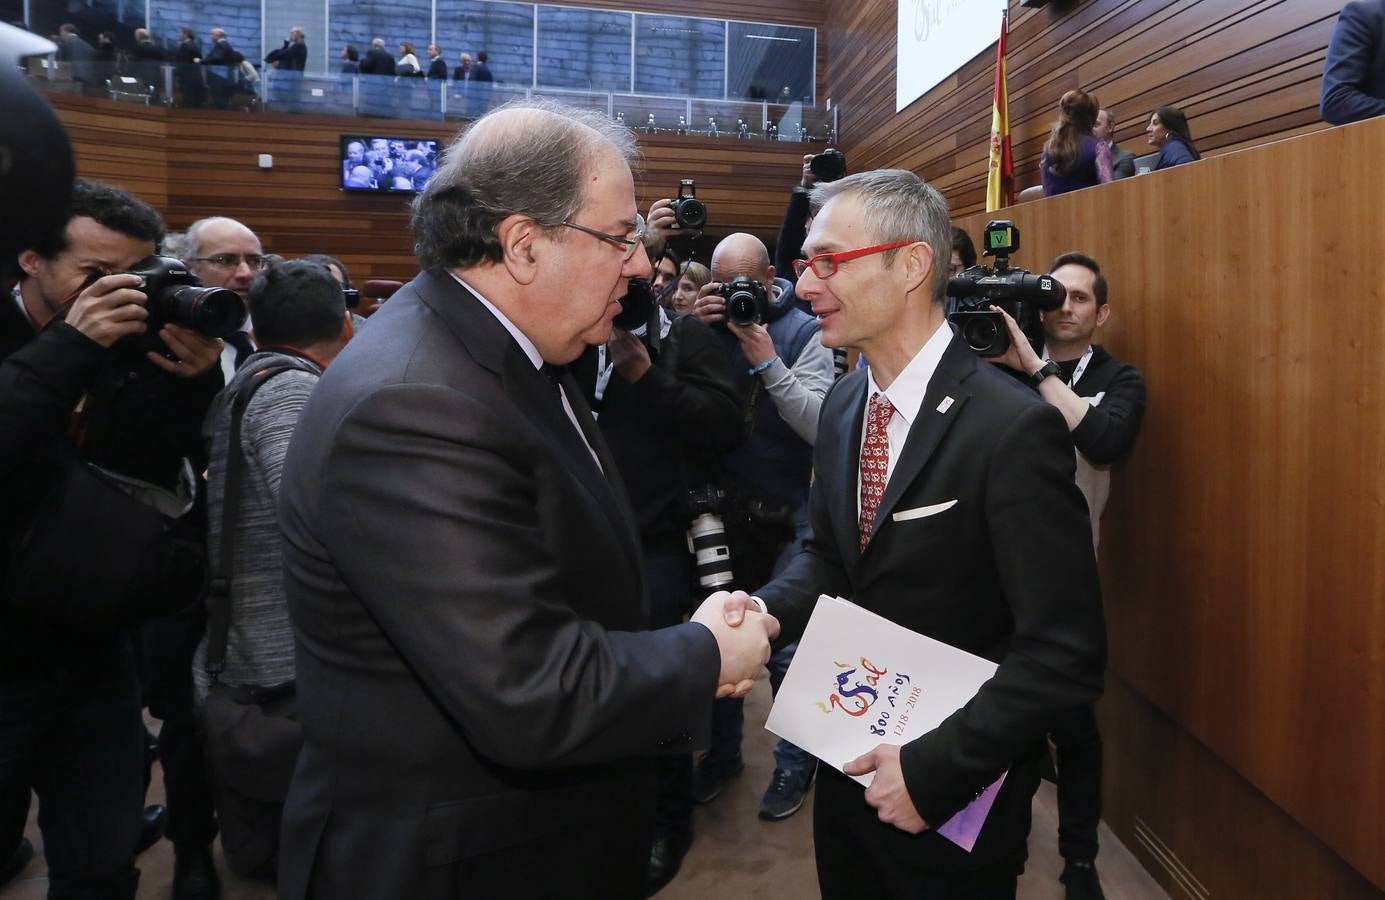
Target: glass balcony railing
{"type": "Point", "coordinates": [195, 86]}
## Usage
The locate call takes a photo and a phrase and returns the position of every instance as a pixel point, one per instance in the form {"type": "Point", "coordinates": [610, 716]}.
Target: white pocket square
{"type": "Point", "coordinates": [923, 512]}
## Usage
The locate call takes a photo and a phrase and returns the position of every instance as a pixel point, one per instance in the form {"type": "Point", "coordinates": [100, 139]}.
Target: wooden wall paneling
{"type": "Point", "coordinates": [192, 164]}
{"type": "Point", "coordinates": [1245, 592]}
{"type": "Point", "coordinates": [1134, 55]}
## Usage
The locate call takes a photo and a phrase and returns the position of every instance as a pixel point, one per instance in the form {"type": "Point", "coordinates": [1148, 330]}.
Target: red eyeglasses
{"type": "Point", "coordinates": [825, 265]}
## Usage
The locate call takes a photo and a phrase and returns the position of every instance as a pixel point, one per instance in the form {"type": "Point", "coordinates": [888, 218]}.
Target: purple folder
{"type": "Point", "coordinates": [963, 828]}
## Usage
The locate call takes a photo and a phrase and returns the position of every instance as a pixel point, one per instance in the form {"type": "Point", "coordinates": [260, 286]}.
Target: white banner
{"type": "Point", "coordinates": [936, 38]}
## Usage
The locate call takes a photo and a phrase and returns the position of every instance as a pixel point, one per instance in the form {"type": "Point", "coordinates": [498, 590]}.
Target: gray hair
{"type": "Point", "coordinates": [174, 244]}
{"type": "Point", "coordinates": [528, 158]}
{"type": "Point", "coordinates": [898, 206]}
{"type": "Point", "coordinates": [377, 42]}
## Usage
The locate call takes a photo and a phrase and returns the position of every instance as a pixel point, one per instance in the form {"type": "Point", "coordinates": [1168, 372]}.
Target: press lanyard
{"type": "Point", "coordinates": [1081, 365]}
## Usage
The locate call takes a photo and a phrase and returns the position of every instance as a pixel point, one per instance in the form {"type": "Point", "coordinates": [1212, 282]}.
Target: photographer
{"type": "Point", "coordinates": [69, 692]}
{"type": "Point", "coordinates": [667, 404]}
{"type": "Point", "coordinates": [778, 359]}
{"type": "Point", "coordinates": [1103, 401]}
{"type": "Point", "coordinates": [301, 324]}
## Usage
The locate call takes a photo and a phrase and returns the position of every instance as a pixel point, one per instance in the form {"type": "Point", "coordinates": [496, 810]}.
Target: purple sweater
{"type": "Point", "coordinates": [1087, 172]}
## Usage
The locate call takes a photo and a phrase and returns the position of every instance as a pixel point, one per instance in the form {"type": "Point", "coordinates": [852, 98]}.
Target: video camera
{"type": "Point", "coordinates": [828, 166]}
{"type": "Point", "coordinates": [1019, 292]}
{"type": "Point", "coordinates": [176, 297]}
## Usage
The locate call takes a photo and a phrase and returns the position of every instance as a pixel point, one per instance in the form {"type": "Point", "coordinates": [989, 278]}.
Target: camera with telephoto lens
{"type": "Point", "coordinates": [1019, 292]}
{"type": "Point", "coordinates": [689, 212]}
{"type": "Point", "coordinates": [177, 297]}
{"type": "Point", "coordinates": [747, 301]}
{"type": "Point", "coordinates": [707, 539]}
{"type": "Point", "coordinates": [828, 166]}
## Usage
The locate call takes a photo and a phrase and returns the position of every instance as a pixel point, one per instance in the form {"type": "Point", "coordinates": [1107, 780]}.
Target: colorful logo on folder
{"type": "Point", "coordinates": [857, 689]}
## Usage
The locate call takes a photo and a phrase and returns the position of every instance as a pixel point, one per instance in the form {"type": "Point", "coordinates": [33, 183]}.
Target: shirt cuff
{"type": "Point", "coordinates": [760, 603]}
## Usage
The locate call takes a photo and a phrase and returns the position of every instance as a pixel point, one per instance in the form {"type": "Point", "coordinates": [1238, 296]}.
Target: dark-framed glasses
{"type": "Point", "coordinates": [628, 245]}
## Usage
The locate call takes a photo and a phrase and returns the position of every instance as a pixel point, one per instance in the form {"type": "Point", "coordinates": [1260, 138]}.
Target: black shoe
{"type": "Point", "coordinates": [17, 862]}
{"type": "Point", "coordinates": [785, 793]}
{"type": "Point", "coordinates": [711, 776]}
{"type": "Point", "coordinates": [194, 874]}
{"type": "Point", "coordinates": [1082, 883]}
{"type": "Point", "coordinates": [665, 857]}
{"type": "Point", "coordinates": [151, 827]}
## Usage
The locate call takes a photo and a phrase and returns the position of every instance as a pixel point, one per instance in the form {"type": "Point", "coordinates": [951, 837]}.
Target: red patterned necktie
{"type": "Point", "coordinates": [875, 461]}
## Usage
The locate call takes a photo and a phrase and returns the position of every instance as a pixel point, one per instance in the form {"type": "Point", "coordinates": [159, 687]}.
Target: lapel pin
{"type": "Point", "coordinates": [945, 405]}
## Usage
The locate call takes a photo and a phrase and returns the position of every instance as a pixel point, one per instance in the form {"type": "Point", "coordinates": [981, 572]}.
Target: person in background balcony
{"type": "Point", "coordinates": [1353, 80]}
{"type": "Point", "coordinates": [408, 60]}
{"type": "Point", "coordinates": [1074, 158]}
{"type": "Point", "coordinates": [1168, 130]}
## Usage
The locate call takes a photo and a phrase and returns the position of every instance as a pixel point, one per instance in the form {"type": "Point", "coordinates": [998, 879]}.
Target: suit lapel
{"type": "Point", "coordinates": [942, 404]}
{"type": "Point", "coordinates": [492, 346]}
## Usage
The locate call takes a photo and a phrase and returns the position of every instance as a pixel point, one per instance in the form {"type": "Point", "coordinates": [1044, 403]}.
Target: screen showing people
{"type": "Point", "coordinates": [386, 164]}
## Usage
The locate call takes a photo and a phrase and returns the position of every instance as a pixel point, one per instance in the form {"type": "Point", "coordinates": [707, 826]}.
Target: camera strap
{"type": "Point", "coordinates": [223, 562]}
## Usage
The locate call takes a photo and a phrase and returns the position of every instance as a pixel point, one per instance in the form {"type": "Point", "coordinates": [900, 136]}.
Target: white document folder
{"type": "Point", "coordinates": [859, 680]}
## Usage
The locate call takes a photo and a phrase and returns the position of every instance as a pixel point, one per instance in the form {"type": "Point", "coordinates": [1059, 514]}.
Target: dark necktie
{"type": "Point", "coordinates": [875, 462]}
{"type": "Point", "coordinates": [241, 341]}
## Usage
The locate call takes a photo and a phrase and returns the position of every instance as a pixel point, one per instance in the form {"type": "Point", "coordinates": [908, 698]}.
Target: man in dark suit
{"type": "Point", "coordinates": [293, 56]}
{"type": "Point", "coordinates": [1122, 160]}
{"type": "Point", "coordinates": [437, 66]}
{"type": "Point", "coordinates": [1353, 79]}
{"type": "Point", "coordinates": [377, 59]}
{"type": "Point", "coordinates": [481, 709]}
{"type": "Point", "coordinates": [963, 523]}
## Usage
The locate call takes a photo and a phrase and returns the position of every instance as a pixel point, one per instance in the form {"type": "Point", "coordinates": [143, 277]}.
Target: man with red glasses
{"type": "Point", "coordinates": [943, 500]}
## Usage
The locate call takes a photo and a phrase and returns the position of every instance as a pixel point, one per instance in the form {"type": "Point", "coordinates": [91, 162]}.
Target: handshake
{"type": "Point", "coordinates": [743, 634]}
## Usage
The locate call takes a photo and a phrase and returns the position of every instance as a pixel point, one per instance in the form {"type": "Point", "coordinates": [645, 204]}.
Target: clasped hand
{"type": "Point", "coordinates": [742, 634]}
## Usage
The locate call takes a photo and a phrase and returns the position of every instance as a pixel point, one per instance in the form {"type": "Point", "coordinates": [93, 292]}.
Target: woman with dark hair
{"type": "Point", "coordinates": [1073, 158]}
{"type": "Point", "coordinates": [1168, 130]}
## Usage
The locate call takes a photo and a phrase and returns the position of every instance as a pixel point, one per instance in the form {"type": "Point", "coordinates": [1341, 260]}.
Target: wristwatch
{"type": "Point", "coordinates": [1049, 368]}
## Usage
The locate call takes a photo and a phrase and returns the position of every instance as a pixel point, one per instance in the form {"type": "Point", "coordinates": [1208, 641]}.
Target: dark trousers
{"type": "Point", "coordinates": [1079, 782]}
{"type": "Point", "coordinates": [668, 575]}
{"type": "Point", "coordinates": [72, 730]}
{"type": "Point", "coordinates": [851, 865]}
{"type": "Point", "coordinates": [168, 649]}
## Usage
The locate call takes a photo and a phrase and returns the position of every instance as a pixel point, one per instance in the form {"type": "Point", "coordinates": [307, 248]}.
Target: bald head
{"type": "Point", "coordinates": [741, 254]}
{"type": "Point", "coordinates": [210, 242]}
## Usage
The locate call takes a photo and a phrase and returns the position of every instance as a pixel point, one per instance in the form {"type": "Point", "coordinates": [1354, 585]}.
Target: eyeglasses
{"type": "Point", "coordinates": [627, 245]}
{"type": "Point", "coordinates": [233, 260]}
{"type": "Point", "coordinates": [825, 265]}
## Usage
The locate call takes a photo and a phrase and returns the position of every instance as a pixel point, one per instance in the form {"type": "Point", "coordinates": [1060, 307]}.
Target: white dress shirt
{"type": "Point", "coordinates": [534, 357]}
{"type": "Point", "coordinates": [906, 394]}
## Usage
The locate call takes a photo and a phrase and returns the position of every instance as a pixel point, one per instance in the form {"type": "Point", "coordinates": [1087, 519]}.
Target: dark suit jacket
{"type": "Point", "coordinates": [377, 62]}
{"type": "Point", "coordinates": [1122, 162]}
{"type": "Point", "coordinates": [480, 708]}
{"type": "Point", "coordinates": [481, 72]}
{"type": "Point", "coordinates": [1353, 80]}
{"type": "Point", "coordinates": [438, 69]}
{"type": "Point", "coordinates": [221, 54]}
{"type": "Point", "coordinates": [293, 56]}
{"type": "Point", "coordinates": [1006, 573]}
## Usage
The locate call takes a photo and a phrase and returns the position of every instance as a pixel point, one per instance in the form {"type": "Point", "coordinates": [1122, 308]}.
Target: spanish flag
{"type": "Point", "coordinates": [1000, 180]}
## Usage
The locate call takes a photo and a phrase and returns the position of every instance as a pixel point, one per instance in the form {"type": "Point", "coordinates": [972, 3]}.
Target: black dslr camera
{"type": "Point", "coordinates": [1020, 293]}
{"type": "Point", "coordinates": [747, 301]}
{"type": "Point", "coordinates": [176, 297]}
{"type": "Point", "coordinates": [689, 212]}
{"type": "Point", "coordinates": [828, 166]}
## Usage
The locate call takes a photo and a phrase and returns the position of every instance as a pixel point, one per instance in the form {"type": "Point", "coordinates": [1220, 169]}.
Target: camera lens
{"type": "Point", "coordinates": [983, 334]}
{"type": "Point", "coordinates": [690, 213]}
{"type": "Point", "coordinates": [214, 312]}
{"type": "Point", "coordinates": [742, 309]}
{"type": "Point", "coordinates": [707, 539]}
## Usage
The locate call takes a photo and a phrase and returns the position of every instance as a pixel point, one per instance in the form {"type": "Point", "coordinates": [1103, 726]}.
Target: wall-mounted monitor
{"type": "Point", "coordinates": [386, 165]}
